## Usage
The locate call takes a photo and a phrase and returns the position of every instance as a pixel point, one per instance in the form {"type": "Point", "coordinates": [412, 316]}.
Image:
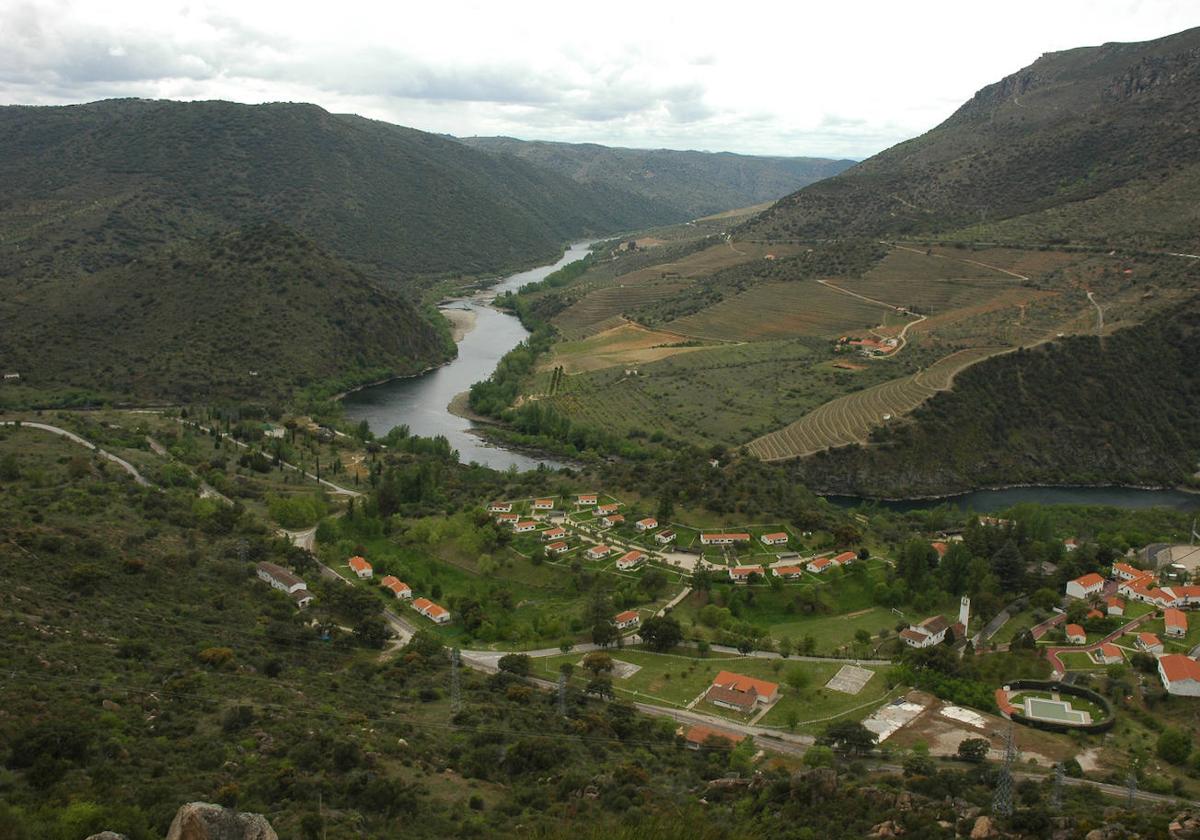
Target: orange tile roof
{"type": "Point", "coordinates": [555, 546]}
{"type": "Point", "coordinates": [1114, 601]}
{"type": "Point", "coordinates": [1177, 667]}
{"type": "Point", "coordinates": [940, 547]}
{"type": "Point", "coordinates": [745, 571]}
{"type": "Point", "coordinates": [821, 562]}
{"type": "Point", "coordinates": [778, 535]}
{"type": "Point", "coordinates": [789, 570]}
{"type": "Point", "coordinates": [1075, 630]}
{"type": "Point", "coordinates": [1110, 650]}
{"type": "Point", "coordinates": [845, 557]}
{"type": "Point", "coordinates": [1089, 580]}
{"type": "Point", "coordinates": [1149, 639]}
{"type": "Point", "coordinates": [421, 603]}
{"type": "Point", "coordinates": [730, 536]}
{"type": "Point", "coordinates": [1175, 618]}
{"type": "Point", "coordinates": [628, 615]}
{"type": "Point", "coordinates": [631, 556]}
{"type": "Point", "coordinates": [394, 583]}
{"type": "Point", "coordinates": [358, 564]}
{"type": "Point", "coordinates": [740, 682]}
{"type": "Point", "coordinates": [599, 549]}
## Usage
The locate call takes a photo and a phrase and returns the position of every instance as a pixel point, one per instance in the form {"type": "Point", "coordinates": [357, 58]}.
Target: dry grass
{"type": "Point", "coordinates": [626, 345]}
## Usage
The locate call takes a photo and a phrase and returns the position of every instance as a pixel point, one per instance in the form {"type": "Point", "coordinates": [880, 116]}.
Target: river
{"type": "Point", "coordinates": [991, 501]}
{"type": "Point", "coordinates": [420, 402]}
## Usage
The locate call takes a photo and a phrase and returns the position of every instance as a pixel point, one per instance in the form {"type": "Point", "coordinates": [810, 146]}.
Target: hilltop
{"type": "Point", "coordinates": [691, 183]}
{"type": "Point", "coordinates": [1094, 145]}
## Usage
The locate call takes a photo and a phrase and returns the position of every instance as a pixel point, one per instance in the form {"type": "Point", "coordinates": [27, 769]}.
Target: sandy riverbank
{"type": "Point", "coordinates": [462, 321]}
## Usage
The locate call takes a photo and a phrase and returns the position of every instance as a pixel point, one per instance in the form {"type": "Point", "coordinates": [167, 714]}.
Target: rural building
{"type": "Point", "coordinates": [697, 736]}
{"type": "Point", "coordinates": [508, 519]}
{"type": "Point", "coordinates": [604, 510]}
{"type": "Point", "coordinates": [819, 565]}
{"type": "Point", "coordinates": [586, 499]}
{"type": "Point", "coordinates": [1180, 674]}
{"type": "Point", "coordinates": [396, 586]}
{"type": "Point", "coordinates": [1093, 613]}
{"type": "Point", "coordinates": [554, 534]}
{"type": "Point", "coordinates": [598, 552]}
{"type": "Point", "coordinates": [1116, 606]}
{"type": "Point", "coordinates": [500, 507]}
{"type": "Point", "coordinates": [361, 568]}
{"type": "Point", "coordinates": [737, 691]}
{"type": "Point", "coordinates": [1076, 635]}
{"type": "Point", "coordinates": [941, 548]}
{"type": "Point", "coordinates": [845, 558]}
{"type": "Point", "coordinates": [741, 574]}
{"type": "Point", "coordinates": [629, 618]}
{"type": "Point", "coordinates": [435, 613]}
{"type": "Point", "coordinates": [630, 560]}
{"type": "Point", "coordinates": [1085, 586]}
{"type": "Point", "coordinates": [789, 572]}
{"type": "Point", "coordinates": [1109, 654]}
{"type": "Point", "coordinates": [283, 580]}
{"type": "Point", "coordinates": [1149, 643]}
{"type": "Point", "coordinates": [558, 547]}
{"type": "Point", "coordinates": [1174, 622]}
{"type": "Point", "coordinates": [647, 524]}
{"type": "Point", "coordinates": [665, 537]}
{"type": "Point", "coordinates": [723, 539]}
{"type": "Point", "coordinates": [1123, 571]}
{"type": "Point", "coordinates": [611, 520]}
{"type": "Point", "coordinates": [1070, 543]}
{"type": "Point", "coordinates": [994, 522]}
{"type": "Point", "coordinates": [543, 504]}
{"type": "Point", "coordinates": [778, 538]}
{"type": "Point", "coordinates": [525, 526]}
{"type": "Point", "coordinates": [928, 633]}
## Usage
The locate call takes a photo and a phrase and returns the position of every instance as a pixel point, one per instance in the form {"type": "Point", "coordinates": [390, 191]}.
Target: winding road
{"type": "Point", "coordinates": [74, 438]}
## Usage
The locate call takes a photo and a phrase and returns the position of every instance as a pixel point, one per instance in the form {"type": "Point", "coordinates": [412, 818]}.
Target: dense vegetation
{"type": "Point", "coordinates": [1047, 143]}
{"type": "Point", "coordinates": [693, 184]}
{"type": "Point", "coordinates": [262, 312]}
{"type": "Point", "coordinates": [1117, 410]}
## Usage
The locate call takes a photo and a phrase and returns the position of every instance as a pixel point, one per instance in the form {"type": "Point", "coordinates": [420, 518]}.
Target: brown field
{"type": "Point", "coordinates": [850, 419]}
{"type": "Point", "coordinates": [625, 345]}
{"type": "Point", "coordinates": [737, 212]}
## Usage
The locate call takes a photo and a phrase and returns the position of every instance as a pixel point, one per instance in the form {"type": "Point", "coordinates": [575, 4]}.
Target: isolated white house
{"type": "Point", "coordinates": [1180, 674]}
{"type": "Point", "coordinates": [361, 568]}
{"type": "Point", "coordinates": [629, 618]}
{"type": "Point", "coordinates": [1085, 586]}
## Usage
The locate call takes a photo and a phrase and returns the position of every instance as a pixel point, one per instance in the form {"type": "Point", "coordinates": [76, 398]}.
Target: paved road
{"type": "Point", "coordinates": [71, 436]}
{"type": "Point", "coordinates": [1053, 652]}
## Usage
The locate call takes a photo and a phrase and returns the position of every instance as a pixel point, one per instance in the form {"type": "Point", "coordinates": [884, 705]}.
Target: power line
{"type": "Point", "coordinates": [1002, 802]}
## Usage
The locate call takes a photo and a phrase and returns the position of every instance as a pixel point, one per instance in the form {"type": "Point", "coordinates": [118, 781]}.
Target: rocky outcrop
{"type": "Point", "coordinates": [1186, 826]}
{"type": "Point", "coordinates": [204, 821]}
{"type": "Point", "coordinates": [107, 835]}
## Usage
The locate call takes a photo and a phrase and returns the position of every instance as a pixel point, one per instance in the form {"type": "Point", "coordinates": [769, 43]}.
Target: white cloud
{"type": "Point", "coordinates": [841, 80]}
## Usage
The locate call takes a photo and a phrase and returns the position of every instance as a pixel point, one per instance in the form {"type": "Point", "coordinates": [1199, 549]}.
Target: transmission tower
{"type": "Point", "coordinates": [562, 695]}
{"type": "Point", "coordinates": [1131, 788]}
{"type": "Point", "coordinates": [1002, 802]}
{"type": "Point", "coordinates": [455, 686]}
{"type": "Point", "coordinates": [1056, 791]}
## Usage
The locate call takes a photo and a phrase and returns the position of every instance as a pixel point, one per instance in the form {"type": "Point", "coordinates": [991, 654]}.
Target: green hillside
{"type": "Point", "coordinates": [692, 183]}
{"type": "Point", "coordinates": [259, 313]}
{"type": "Point", "coordinates": [87, 186]}
{"type": "Point", "coordinates": [1049, 143]}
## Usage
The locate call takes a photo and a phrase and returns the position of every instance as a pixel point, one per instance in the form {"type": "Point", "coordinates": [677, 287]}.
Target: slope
{"type": "Point", "coordinates": [693, 183]}
{"type": "Point", "coordinates": [1070, 128]}
{"type": "Point", "coordinates": [256, 314]}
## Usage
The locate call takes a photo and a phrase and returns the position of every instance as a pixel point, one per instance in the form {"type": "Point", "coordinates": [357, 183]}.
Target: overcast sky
{"type": "Point", "coordinates": [837, 79]}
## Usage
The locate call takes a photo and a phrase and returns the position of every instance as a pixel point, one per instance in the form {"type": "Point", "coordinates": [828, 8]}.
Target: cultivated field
{"type": "Point", "coordinates": [850, 419]}
{"type": "Point", "coordinates": [626, 345]}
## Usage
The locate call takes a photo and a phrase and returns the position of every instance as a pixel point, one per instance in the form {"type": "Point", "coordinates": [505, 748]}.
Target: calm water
{"type": "Point", "coordinates": [420, 402]}
{"type": "Point", "coordinates": [990, 501]}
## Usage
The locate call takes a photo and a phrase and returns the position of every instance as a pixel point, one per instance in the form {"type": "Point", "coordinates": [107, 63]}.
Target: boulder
{"type": "Point", "coordinates": [886, 829]}
{"type": "Point", "coordinates": [983, 829]}
{"type": "Point", "coordinates": [1185, 826]}
{"type": "Point", "coordinates": [205, 821]}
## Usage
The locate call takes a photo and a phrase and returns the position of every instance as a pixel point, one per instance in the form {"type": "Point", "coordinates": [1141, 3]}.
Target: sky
{"type": "Point", "coordinates": [834, 79]}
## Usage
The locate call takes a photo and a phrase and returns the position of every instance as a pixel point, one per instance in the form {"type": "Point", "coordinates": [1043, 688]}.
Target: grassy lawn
{"type": "Point", "coordinates": [1174, 644]}
{"type": "Point", "coordinates": [1079, 661]}
{"type": "Point", "coordinates": [1020, 622]}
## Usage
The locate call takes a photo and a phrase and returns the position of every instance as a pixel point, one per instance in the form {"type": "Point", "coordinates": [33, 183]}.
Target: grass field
{"type": "Point", "coordinates": [850, 419]}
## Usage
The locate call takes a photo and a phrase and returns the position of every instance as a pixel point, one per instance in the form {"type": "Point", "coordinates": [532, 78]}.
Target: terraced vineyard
{"type": "Point", "coordinates": [851, 418]}
{"type": "Point", "coordinates": [601, 309]}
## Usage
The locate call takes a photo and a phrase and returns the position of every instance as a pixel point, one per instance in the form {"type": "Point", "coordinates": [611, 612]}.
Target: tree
{"type": "Point", "coordinates": [371, 631]}
{"type": "Point", "coordinates": [818, 755]}
{"type": "Point", "coordinates": [9, 469]}
{"type": "Point", "coordinates": [797, 678]}
{"type": "Point", "coordinates": [974, 750]}
{"type": "Point", "coordinates": [862, 636]}
{"type": "Point", "coordinates": [1174, 745]}
{"type": "Point", "coordinates": [597, 662]}
{"type": "Point", "coordinates": [785, 647]}
{"type": "Point", "coordinates": [601, 686]}
{"type": "Point", "coordinates": [848, 737]}
{"type": "Point", "coordinates": [1045, 599]}
{"type": "Point", "coordinates": [604, 633]}
{"type": "Point", "coordinates": [518, 664]}
{"type": "Point", "coordinates": [661, 633]}
{"type": "Point", "coordinates": [702, 580]}
{"type": "Point", "coordinates": [654, 580]}
{"type": "Point", "coordinates": [808, 645]}
{"type": "Point", "coordinates": [1009, 566]}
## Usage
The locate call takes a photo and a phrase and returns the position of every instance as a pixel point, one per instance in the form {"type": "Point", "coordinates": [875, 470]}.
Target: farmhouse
{"type": "Point", "coordinates": [1082, 587]}
{"type": "Point", "coordinates": [1149, 643]}
{"type": "Point", "coordinates": [604, 510]}
{"type": "Point", "coordinates": [500, 507]}
{"type": "Point", "coordinates": [1070, 543]}
{"type": "Point", "coordinates": [741, 574]}
{"type": "Point", "coordinates": [586, 499]}
{"type": "Point", "coordinates": [778, 538]}
{"type": "Point", "coordinates": [361, 568]}
{"type": "Point", "coordinates": [1094, 614]}
{"type": "Point", "coordinates": [647, 524]}
{"type": "Point", "coordinates": [1116, 606]}
{"type": "Point", "coordinates": [629, 618]}
{"type": "Point", "coordinates": [1076, 635]}
{"type": "Point", "coordinates": [1109, 654]}
{"type": "Point", "coordinates": [928, 633]}
{"type": "Point", "coordinates": [665, 537]}
{"type": "Point", "coordinates": [554, 534]}
{"type": "Point", "coordinates": [789, 572]}
{"type": "Point", "coordinates": [723, 539]}
{"type": "Point", "coordinates": [1180, 674]}
{"type": "Point", "coordinates": [558, 547]}
{"type": "Point", "coordinates": [845, 558]}
{"type": "Point", "coordinates": [435, 613]}
{"type": "Point", "coordinates": [543, 504]}
{"type": "Point", "coordinates": [598, 552]}
{"type": "Point", "coordinates": [630, 560]}
{"type": "Point", "coordinates": [736, 691]}
{"type": "Point", "coordinates": [819, 565]}
{"type": "Point", "coordinates": [1175, 622]}
{"type": "Point", "coordinates": [396, 586]}
{"type": "Point", "coordinates": [283, 580]}
{"type": "Point", "coordinates": [508, 519]}
{"type": "Point", "coordinates": [1123, 571]}
{"type": "Point", "coordinates": [611, 520]}
{"type": "Point", "coordinates": [524, 526]}
{"type": "Point", "coordinates": [697, 736]}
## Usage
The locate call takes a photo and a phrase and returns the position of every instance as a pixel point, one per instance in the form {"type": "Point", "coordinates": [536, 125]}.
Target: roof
{"type": "Point", "coordinates": [649, 520]}
{"type": "Point", "coordinates": [359, 564]}
{"type": "Point", "coordinates": [1126, 569]}
{"type": "Point", "coordinates": [421, 604]}
{"type": "Point", "coordinates": [821, 562]}
{"type": "Point", "coordinates": [555, 546]}
{"type": "Point", "coordinates": [1076, 630]}
{"type": "Point", "coordinates": [628, 615]}
{"type": "Point", "coordinates": [507, 517]}
{"type": "Point", "coordinates": [1109, 649]}
{"type": "Point", "coordinates": [599, 549]}
{"type": "Point", "coordinates": [543, 501]}
{"type": "Point", "coordinates": [279, 574]}
{"type": "Point", "coordinates": [553, 532]}
{"type": "Point", "coordinates": [778, 535]}
{"type": "Point", "coordinates": [531, 523]}
{"type": "Point", "coordinates": [435, 610]}
{"type": "Point", "coordinates": [789, 570]}
{"type": "Point", "coordinates": [731, 696]}
{"type": "Point", "coordinates": [1114, 601]}
{"type": "Point", "coordinates": [845, 557]}
{"type": "Point", "coordinates": [1174, 618]}
{"type": "Point", "coordinates": [587, 495]}
{"type": "Point", "coordinates": [909, 633]}
{"type": "Point", "coordinates": [740, 682]}
{"type": "Point", "coordinates": [1176, 667]}
{"type": "Point", "coordinates": [745, 571]}
{"type": "Point", "coordinates": [631, 556]}
{"type": "Point", "coordinates": [500, 504]}
{"type": "Point", "coordinates": [394, 583]}
{"type": "Point", "coordinates": [940, 547]}
{"type": "Point", "coordinates": [700, 734]}
{"type": "Point", "coordinates": [730, 536]}
{"type": "Point", "coordinates": [615, 517]}
{"type": "Point", "coordinates": [935, 624]}
{"type": "Point", "coordinates": [1095, 614]}
{"type": "Point", "coordinates": [1089, 580]}
{"type": "Point", "coordinates": [1149, 639]}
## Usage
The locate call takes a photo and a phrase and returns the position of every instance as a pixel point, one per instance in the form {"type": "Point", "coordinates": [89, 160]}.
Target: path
{"type": "Point", "coordinates": [71, 436]}
{"type": "Point", "coordinates": [1099, 313]}
{"type": "Point", "coordinates": [674, 602]}
{"type": "Point", "coordinates": [903, 336]}
{"type": "Point", "coordinates": [1052, 652]}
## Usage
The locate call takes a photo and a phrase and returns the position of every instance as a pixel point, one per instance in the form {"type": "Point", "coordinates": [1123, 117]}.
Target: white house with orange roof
{"type": "Point", "coordinates": [1115, 606]}
{"type": "Point", "coordinates": [1148, 643]}
{"type": "Point", "coordinates": [940, 547]}
{"type": "Point", "coordinates": [819, 564]}
{"type": "Point", "coordinates": [551, 534]}
{"type": "Point", "coordinates": [1070, 543]}
{"type": "Point", "coordinates": [598, 552]}
{"type": "Point", "coordinates": [1109, 654]}
{"type": "Point", "coordinates": [543, 504]}
{"type": "Point", "coordinates": [741, 574]}
{"type": "Point", "coordinates": [845, 558]}
{"type": "Point", "coordinates": [1085, 586]}
{"type": "Point", "coordinates": [604, 510]}
{"type": "Point", "coordinates": [508, 518]}
{"type": "Point", "coordinates": [586, 499]}
{"type": "Point", "coordinates": [629, 618]}
{"type": "Point", "coordinates": [361, 567]}
{"type": "Point", "coordinates": [647, 524]}
{"type": "Point", "coordinates": [724, 539]}
{"type": "Point", "coordinates": [525, 526]}
{"type": "Point", "coordinates": [396, 586]}
{"type": "Point", "coordinates": [1123, 571]}
{"type": "Point", "coordinates": [560, 547]}
{"type": "Point", "coordinates": [787, 572]}
{"type": "Point", "coordinates": [1076, 635]}
{"type": "Point", "coordinates": [664, 537]}
{"type": "Point", "coordinates": [631, 560]}
{"type": "Point", "coordinates": [697, 736]}
{"type": "Point", "coordinates": [500, 507]}
{"type": "Point", "coordinates": [777, 538]}
{"type": "Point", "coordinates": [1175, 622]}
{"type": "Point", "coordinates": [741, 693]}
{"type": "Point", "coordinates": [1180, 674]}
{"type": "Point", "coordinates": [611, 520]}
{"type": "Point", "coordinates": [434, 612]}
